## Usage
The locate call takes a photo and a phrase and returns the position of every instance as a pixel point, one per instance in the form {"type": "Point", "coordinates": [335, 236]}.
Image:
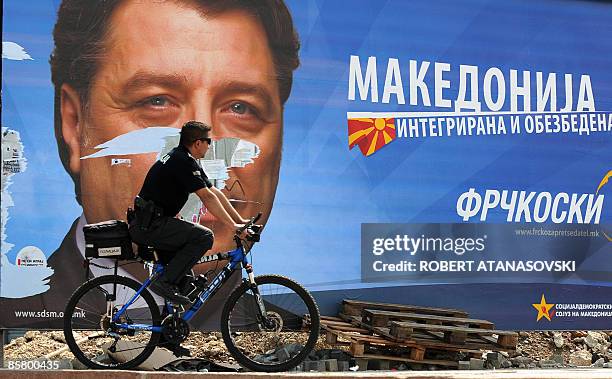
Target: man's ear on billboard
{"type": "Point", "coordinates": [71, 126]}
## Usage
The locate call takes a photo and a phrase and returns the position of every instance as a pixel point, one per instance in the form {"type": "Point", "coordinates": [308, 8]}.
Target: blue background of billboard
{"type": "Point", "coordinates": [325, 191]}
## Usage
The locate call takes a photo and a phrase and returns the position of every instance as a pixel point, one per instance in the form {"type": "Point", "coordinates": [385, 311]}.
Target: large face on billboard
{"type": "Point", "coordinates": [164, 65]}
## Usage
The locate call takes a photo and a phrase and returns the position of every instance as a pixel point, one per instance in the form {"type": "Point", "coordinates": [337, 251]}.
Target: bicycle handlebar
{"type": "Point", "coordinates": [250, 223]}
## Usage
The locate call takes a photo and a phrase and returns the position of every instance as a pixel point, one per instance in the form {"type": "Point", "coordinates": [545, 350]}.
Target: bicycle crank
{"type": "Point", "coordinates": [174, 329]}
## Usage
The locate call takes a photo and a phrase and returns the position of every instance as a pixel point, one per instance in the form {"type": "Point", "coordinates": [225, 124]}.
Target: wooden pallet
{"type": "Point", "coordinates": [432, 339]}
{"type": "Point", "coordinates": [412, 334]}
{"type": "Point", "coordinates": [381, 318]}
{"type": "Point", "coordinates": [455, 329]}
{"type": "Point", "coordinates": [363, 344]}
{"type": "Point", "coordinates": [355, 307]}
{"type": "Point", "coordinates": [435, 327]}
{"type": "Point", "coordinates": [339, 332]}
{"type": "Point", "coordinates": [454, 334]}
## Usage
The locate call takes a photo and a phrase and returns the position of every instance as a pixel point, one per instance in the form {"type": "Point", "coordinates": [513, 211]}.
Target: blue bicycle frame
{"type": "Point", "coordinates": [236, 257]}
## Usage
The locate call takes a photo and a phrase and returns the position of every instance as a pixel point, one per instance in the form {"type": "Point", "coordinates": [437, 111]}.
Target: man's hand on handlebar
{"type": "Point", "coordinates": [241, 231]}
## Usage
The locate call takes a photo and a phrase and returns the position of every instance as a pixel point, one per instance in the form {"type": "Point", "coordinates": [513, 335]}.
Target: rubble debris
{"type": "Point", "coordinates": [581, 358]}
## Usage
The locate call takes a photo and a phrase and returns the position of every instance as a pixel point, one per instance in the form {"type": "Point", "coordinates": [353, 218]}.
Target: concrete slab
{"type": "Point", "coordinates": [484, 374]}
{"type": "Point", "coordinates": [128, 350]}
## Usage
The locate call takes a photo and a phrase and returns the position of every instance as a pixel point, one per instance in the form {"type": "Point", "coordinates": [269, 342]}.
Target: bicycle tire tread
{"type": "Point", "coordinates": [314, 322]}
{"type": "Point", "coordinates": [83, 289]}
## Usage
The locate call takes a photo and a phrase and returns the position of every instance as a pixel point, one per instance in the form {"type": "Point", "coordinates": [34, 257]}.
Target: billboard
{"type": "Point", "coordinates": [434, 153]}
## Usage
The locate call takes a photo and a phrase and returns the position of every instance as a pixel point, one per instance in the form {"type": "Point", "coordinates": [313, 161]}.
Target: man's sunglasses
{"type": "Point", "coordinates": [205, 139]}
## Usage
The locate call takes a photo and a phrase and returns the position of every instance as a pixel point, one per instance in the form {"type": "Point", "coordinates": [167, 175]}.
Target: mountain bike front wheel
{"type": "Point", "coordinates": [95, 339]}
{"type": "Point", "coordinates": [278, 341]}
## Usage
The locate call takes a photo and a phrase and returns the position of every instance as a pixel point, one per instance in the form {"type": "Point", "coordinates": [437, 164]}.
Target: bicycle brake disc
{"type": "Point", "coordinates": [273, 322]}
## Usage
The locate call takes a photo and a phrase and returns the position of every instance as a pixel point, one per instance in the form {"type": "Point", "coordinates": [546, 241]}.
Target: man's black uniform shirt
{"type": "Point", "coordinates": [172, 178]}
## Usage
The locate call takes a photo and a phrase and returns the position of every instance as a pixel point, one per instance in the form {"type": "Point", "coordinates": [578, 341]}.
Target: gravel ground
{"type": "Point", "coordinates": [576, 348]}
{"type": "Point", "coordinates": [36, 344]}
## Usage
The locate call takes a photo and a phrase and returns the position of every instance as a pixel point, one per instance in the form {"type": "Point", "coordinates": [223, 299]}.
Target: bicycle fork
{"type": "Point", "coordinates": [261, 308]}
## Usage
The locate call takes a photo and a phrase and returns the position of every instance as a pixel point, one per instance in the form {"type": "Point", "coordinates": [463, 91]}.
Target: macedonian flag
{"type": "Point", "coordinates": [371, 134]}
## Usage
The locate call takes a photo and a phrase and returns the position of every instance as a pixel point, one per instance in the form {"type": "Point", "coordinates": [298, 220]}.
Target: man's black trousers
{"type": "Point", "coordinates": [186, 243]}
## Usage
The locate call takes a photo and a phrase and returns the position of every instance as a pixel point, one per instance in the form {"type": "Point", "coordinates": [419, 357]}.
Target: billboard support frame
{"type": "Point", "coordinates": [2, 348]}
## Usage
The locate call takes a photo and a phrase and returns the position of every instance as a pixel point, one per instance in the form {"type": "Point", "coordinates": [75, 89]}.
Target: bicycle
{"type": "Point", "coordinates": [128, 322]}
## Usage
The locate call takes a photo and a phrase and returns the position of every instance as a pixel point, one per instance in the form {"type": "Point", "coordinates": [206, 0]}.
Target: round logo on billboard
{"type": "Point", "coordinates": [31, 256]}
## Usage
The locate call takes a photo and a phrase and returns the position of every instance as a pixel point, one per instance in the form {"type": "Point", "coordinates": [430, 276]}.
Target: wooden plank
{"type": "Point", "coordinates": [356, 335]}
{"type": "Point", "coordinates": [357, 349]}
{"type": "Point", "coordinates": [472, 341]}
{"type": "Point", "coordinates": [354, 308]}
{"type": "Point", "coordinates": [331, 338]}
{"type": "Point", "coordinates": [487, 339]}
{"type": "Point", "coordinates": [329, 318]}
{"type": "Point", "coordinates": [447, 328]}
{"type": "Point", "coordinates": [376, 320]}
{"type": "Point", "coordinates": [401, 333]}
{"type": "Point", "coordinates": [345, 327]}
{"type": "Point", "coordinates": [338, 323]}
{"type": "Point", "coordinates": [457, 338]}
{"type": "Point", "coordinates": [429, 319]}
{"type": "Point", "coordinates": [417, 353]}
{"type": "Point", "coordinates": [350, 329]}
{"type": "Point", "coordinates": [507, 341]}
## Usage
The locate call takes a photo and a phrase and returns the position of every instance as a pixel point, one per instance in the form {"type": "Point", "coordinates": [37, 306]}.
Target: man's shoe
{"type": "Point", "coordinates": [169, 291]}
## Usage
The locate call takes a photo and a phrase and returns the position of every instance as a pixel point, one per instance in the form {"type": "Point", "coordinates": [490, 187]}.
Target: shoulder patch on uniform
{"type": "Point", "coordinates": [165, 158]}
{"type": "Point", "coordinates": [196, 173]}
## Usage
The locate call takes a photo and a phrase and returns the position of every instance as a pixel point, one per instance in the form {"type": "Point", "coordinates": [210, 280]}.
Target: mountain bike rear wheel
{"type": "Point", "coordinates": [279, 341]}
{"type": "Point", "coordinates": [90, 332]}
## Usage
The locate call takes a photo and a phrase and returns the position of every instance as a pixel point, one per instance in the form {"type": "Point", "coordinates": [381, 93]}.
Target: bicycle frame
{"type": "Point", "coordinates": [236, 257]}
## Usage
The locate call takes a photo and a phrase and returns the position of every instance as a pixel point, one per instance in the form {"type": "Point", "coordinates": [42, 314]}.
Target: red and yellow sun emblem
{"type": "Point", "coordinates": [544, 309]}
{"type": "Point", "coordinates": [371, 134]}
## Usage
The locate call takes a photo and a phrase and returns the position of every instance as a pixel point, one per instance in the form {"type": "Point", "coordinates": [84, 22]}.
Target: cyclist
{"type": "Point", "coordinates": [164, 192]}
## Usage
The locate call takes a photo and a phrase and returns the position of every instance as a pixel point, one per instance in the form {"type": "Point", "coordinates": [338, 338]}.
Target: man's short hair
{"type": "Point", "coordinates": [82, 28]}
{"type": "Point", "coordinates": [192, 131]}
